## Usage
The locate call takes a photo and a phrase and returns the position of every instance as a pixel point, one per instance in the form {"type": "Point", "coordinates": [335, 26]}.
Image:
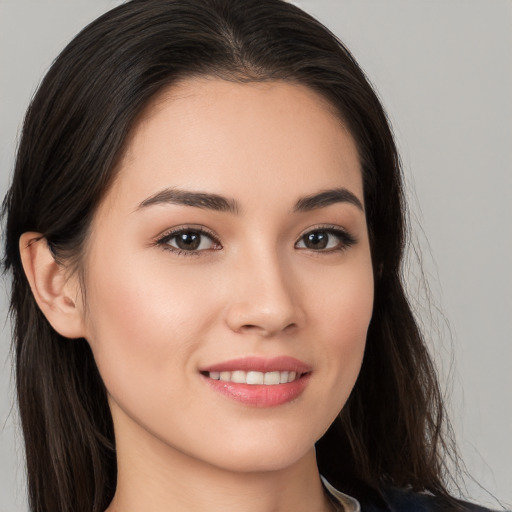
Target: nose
{"type": "Point", "coordinates": [264, 300]}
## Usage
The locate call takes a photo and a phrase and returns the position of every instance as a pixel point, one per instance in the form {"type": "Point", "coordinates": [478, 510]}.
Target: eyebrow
{"type": "Point", "coordinates": [197, 199]}
{"type": "Point", "coordinates": [326, 198]}
{"type": "Point", "coordinates": [220, 203]}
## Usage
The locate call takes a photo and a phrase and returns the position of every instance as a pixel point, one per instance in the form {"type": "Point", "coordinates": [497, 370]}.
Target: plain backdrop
{"type": "Point", "coordinates": [443, 69]}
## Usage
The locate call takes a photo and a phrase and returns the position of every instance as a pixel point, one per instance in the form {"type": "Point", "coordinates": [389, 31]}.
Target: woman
{"type": "Point", "coordinates": [205, 231]}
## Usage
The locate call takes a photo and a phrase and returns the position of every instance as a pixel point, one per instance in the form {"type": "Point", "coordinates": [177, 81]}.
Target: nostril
{"type": "Point", "coordinates": [266, 329]}
{"type": "Point", "coordinates": [252, 328]}
{"type": "Point", "coordinates": [263, 319]}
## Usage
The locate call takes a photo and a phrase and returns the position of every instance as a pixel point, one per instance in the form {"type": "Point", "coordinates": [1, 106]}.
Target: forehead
{"type": "Point", "coordinates": [227, 137]}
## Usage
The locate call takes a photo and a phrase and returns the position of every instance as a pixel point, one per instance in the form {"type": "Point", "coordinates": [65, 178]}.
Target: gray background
{"type": "Point", "coordinates": [443, 69]}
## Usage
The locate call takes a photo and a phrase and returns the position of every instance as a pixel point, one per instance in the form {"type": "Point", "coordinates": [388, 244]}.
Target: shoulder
{"type": "Point", "coordinates": [403, 500]}
{"type": "Point", "coordinates": [393, 499]}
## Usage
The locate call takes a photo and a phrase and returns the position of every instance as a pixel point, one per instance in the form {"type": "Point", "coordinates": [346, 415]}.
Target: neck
{"type": "Point", "coordinates": [153, 476]}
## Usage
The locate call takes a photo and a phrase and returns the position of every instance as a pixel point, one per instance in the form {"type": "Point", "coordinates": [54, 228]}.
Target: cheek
{"type": "Point", "coordinates": [142, 324]}
{"type": "Point", "coordinates": [343, 303]}
{"type": "Point", "coordinates": [346, 316]}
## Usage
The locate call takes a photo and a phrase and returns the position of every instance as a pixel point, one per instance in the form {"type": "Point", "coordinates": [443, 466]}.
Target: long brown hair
{"type": "Point", "coordinates": [391, 431]}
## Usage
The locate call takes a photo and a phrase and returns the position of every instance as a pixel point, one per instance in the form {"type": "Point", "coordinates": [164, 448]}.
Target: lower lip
{"type": "Point", "coordinates": [260, 395]}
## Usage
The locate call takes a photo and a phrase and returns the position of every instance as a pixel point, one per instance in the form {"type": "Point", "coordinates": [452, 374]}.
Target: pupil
{"type": "Point", "coordinates": [316, 240]}
{"type": "Point", "coordinates": [188, 241]}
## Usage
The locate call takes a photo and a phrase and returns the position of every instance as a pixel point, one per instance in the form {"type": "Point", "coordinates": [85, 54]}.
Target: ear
{"type": "Point", "coordinates": [56, 294]}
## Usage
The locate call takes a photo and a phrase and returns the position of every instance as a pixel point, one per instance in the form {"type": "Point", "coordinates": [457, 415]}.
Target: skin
{"type": "Point", "coordinates": [154, 316]}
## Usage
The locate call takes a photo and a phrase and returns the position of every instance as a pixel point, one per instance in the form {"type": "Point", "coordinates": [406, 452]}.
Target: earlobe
{"type": "Point", "coordinates": [55, 294]}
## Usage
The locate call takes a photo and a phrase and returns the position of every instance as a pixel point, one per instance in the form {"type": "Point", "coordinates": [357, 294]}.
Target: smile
{"type": "Point", "coordinates": [259, 382]}
{"type": "Point", "coordinates": [255, 378]}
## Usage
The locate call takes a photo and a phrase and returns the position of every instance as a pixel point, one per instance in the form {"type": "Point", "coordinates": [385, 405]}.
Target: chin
{"type": "Point", "coordinates": [262, 462]}
{"type": "Point", "coordinates": [268, 453]}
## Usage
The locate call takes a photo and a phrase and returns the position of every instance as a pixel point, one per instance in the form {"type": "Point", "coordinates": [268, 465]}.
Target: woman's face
{"type": "Point", "coordinates": [228, 276]}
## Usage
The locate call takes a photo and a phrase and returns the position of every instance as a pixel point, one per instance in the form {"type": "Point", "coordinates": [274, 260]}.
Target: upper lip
{"type": "Point", "coordinates": [260, 364]}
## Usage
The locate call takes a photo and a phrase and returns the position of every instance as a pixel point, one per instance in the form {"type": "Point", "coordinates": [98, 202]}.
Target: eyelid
{"type": "Point", "coordinates": [347, 239]}
{"type": "Point", "coordinates": [186, 227]}
{"type": "Point", "coordinates": [162, 239]}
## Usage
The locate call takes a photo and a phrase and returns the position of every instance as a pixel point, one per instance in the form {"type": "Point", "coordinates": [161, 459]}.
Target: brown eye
{"type": "Point", "coordinates": [316, 240]}
{"type": "Point", "coordinates": [189, 241]}
{"type": "Point", "coordinates": [325, 240]}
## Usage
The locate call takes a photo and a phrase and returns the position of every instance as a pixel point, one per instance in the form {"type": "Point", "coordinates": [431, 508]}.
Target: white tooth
{"type": "Point", "coordinates": [254, 378]}
{"type": "Point", "coordinates": [238, 376]}
{"type": "Point", "coordinates": [271, 378]}
{"type": "Point", "coordinates": [225, 376]}
{"type": "Point", "coordinates": [283, 378]}
{"type": "Point", "coordinates": [215, 375]}
{"type": "Point", "coordinates": [291, 376]}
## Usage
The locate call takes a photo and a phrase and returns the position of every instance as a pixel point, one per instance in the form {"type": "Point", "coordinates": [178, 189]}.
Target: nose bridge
{"type": "Point", "coordinates": [264, 298]}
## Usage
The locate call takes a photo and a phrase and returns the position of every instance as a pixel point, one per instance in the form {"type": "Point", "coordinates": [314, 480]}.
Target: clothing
{"type": "Point", "coordinates": [399, 500]}
{"type": "Point", "coordinates": [347, 503]}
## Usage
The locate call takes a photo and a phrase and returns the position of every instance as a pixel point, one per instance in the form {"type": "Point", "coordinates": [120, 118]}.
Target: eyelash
{"type": "Point", "coordinates": [164, 240]}
{"type": "Point", "coordinates": [346, 240]}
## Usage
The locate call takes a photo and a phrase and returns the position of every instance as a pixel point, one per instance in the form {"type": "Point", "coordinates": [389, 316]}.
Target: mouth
{"type": "Point", "coordinates": [259, 381]}
{"type": "Point", "coordinates": [254, 378]}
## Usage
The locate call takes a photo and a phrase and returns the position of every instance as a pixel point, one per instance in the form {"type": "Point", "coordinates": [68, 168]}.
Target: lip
{"type": "Point", "coordinates": [260, 364]}
{"type": "Point", "coordinates": [257, 395]}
